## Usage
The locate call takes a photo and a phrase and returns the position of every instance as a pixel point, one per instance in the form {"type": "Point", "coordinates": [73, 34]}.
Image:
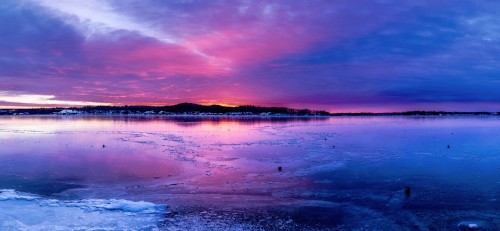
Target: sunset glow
{"type": "Point", "coordinates": [340, 56]}
{"type": "Point", "coordinates": [43, 100]}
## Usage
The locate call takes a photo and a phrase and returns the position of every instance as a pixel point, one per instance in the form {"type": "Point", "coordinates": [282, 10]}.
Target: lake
{"type": "Point", "coordinates": [249, 173]}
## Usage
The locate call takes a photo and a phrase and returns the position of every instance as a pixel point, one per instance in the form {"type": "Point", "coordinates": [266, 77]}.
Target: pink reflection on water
{"type": "Point", "coordinates": [357, 163]}
{"type": "Point", "coordinates": [228, 160]}
{"type": "Point", "coordinates": [162, 155]}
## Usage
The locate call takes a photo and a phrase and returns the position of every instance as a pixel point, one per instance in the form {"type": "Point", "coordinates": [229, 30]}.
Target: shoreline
{"type": "Point", "coordinates": [472, 114]}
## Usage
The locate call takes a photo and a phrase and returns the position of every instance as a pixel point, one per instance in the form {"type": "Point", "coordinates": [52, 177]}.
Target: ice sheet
{"type": "Point", "coordinates": [218, 174]}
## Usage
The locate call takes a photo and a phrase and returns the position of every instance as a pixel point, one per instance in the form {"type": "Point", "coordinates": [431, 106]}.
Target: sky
{"type": "Point", "coordinates": [334, 55]}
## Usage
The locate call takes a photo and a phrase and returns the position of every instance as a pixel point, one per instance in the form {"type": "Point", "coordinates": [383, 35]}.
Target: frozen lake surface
{"type": "Point", "coordinates": [194, 173]}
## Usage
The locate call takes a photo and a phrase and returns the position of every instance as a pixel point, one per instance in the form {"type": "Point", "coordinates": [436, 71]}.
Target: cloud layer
{"type": "Point", "coordinates": [340, 55]}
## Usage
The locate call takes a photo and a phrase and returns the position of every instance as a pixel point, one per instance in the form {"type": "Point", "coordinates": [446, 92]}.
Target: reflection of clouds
{"type": "Point", "coordinates": [346, 167]}
{"type": "Point", "coordinates": [226, 156]}
{"type": "Point", "coordinates": [92, 150]}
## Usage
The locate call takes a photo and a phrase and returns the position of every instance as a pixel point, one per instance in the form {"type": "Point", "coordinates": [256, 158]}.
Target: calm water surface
{"type": "Point", "coordinates": [173, 173]}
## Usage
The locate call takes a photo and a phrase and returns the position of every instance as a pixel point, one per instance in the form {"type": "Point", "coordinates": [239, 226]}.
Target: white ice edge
{"type": "Point", "coordinates": [86, 204]}
{"type": "Point", "coordinates": [25, 211]}
{"type": "Point", "coordinates": [11, 194]}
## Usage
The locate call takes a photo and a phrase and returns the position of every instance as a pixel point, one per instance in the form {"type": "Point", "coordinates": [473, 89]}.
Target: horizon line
{"type": "Point", "coordinates": [236, 106]}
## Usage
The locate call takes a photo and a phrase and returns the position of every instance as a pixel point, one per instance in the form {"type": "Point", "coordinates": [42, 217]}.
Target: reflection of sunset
{"type": "Point", "coordinates": [228, 163]}
{"type": "Point", "coordinates": [204, 155]}
{"type": "Point", "coordinates": [140, 146]}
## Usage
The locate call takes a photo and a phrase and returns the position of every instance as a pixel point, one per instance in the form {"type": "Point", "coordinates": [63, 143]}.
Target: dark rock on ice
{"type": "Point", "coordinates": [407, 191]}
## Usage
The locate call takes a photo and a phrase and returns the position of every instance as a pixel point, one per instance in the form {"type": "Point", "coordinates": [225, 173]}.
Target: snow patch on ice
{"type": "Point", "coordinates": [111, 205]}
{"type": "Point", "coordinates": [23, 211]}
{"type": "Point", "coordinates": [11, 194]}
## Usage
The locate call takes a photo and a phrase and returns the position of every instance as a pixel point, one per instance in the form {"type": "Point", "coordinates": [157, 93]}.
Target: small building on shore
{"type": "Point", "coordinates": [68, 112]}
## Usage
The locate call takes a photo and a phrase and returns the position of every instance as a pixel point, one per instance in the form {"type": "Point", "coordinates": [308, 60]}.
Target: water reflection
{"type": "Point", "coordinates": [181, 119]}
{"type": "Point", "coordinates": [359, 163]}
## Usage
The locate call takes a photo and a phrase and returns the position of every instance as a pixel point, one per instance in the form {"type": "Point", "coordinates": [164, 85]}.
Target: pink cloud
{"type": "Point", "coordinates": [147, 59]}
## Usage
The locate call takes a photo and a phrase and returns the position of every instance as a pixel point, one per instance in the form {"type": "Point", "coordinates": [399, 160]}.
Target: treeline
{"type": "Point", "coordinates": [196, 108]}
{"type": "Point", "coordinates": [33, 111]}
{"type": "Point", "coordinates": [183, 108]}
{"type": "Point", "coordinates": [193, 109]}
